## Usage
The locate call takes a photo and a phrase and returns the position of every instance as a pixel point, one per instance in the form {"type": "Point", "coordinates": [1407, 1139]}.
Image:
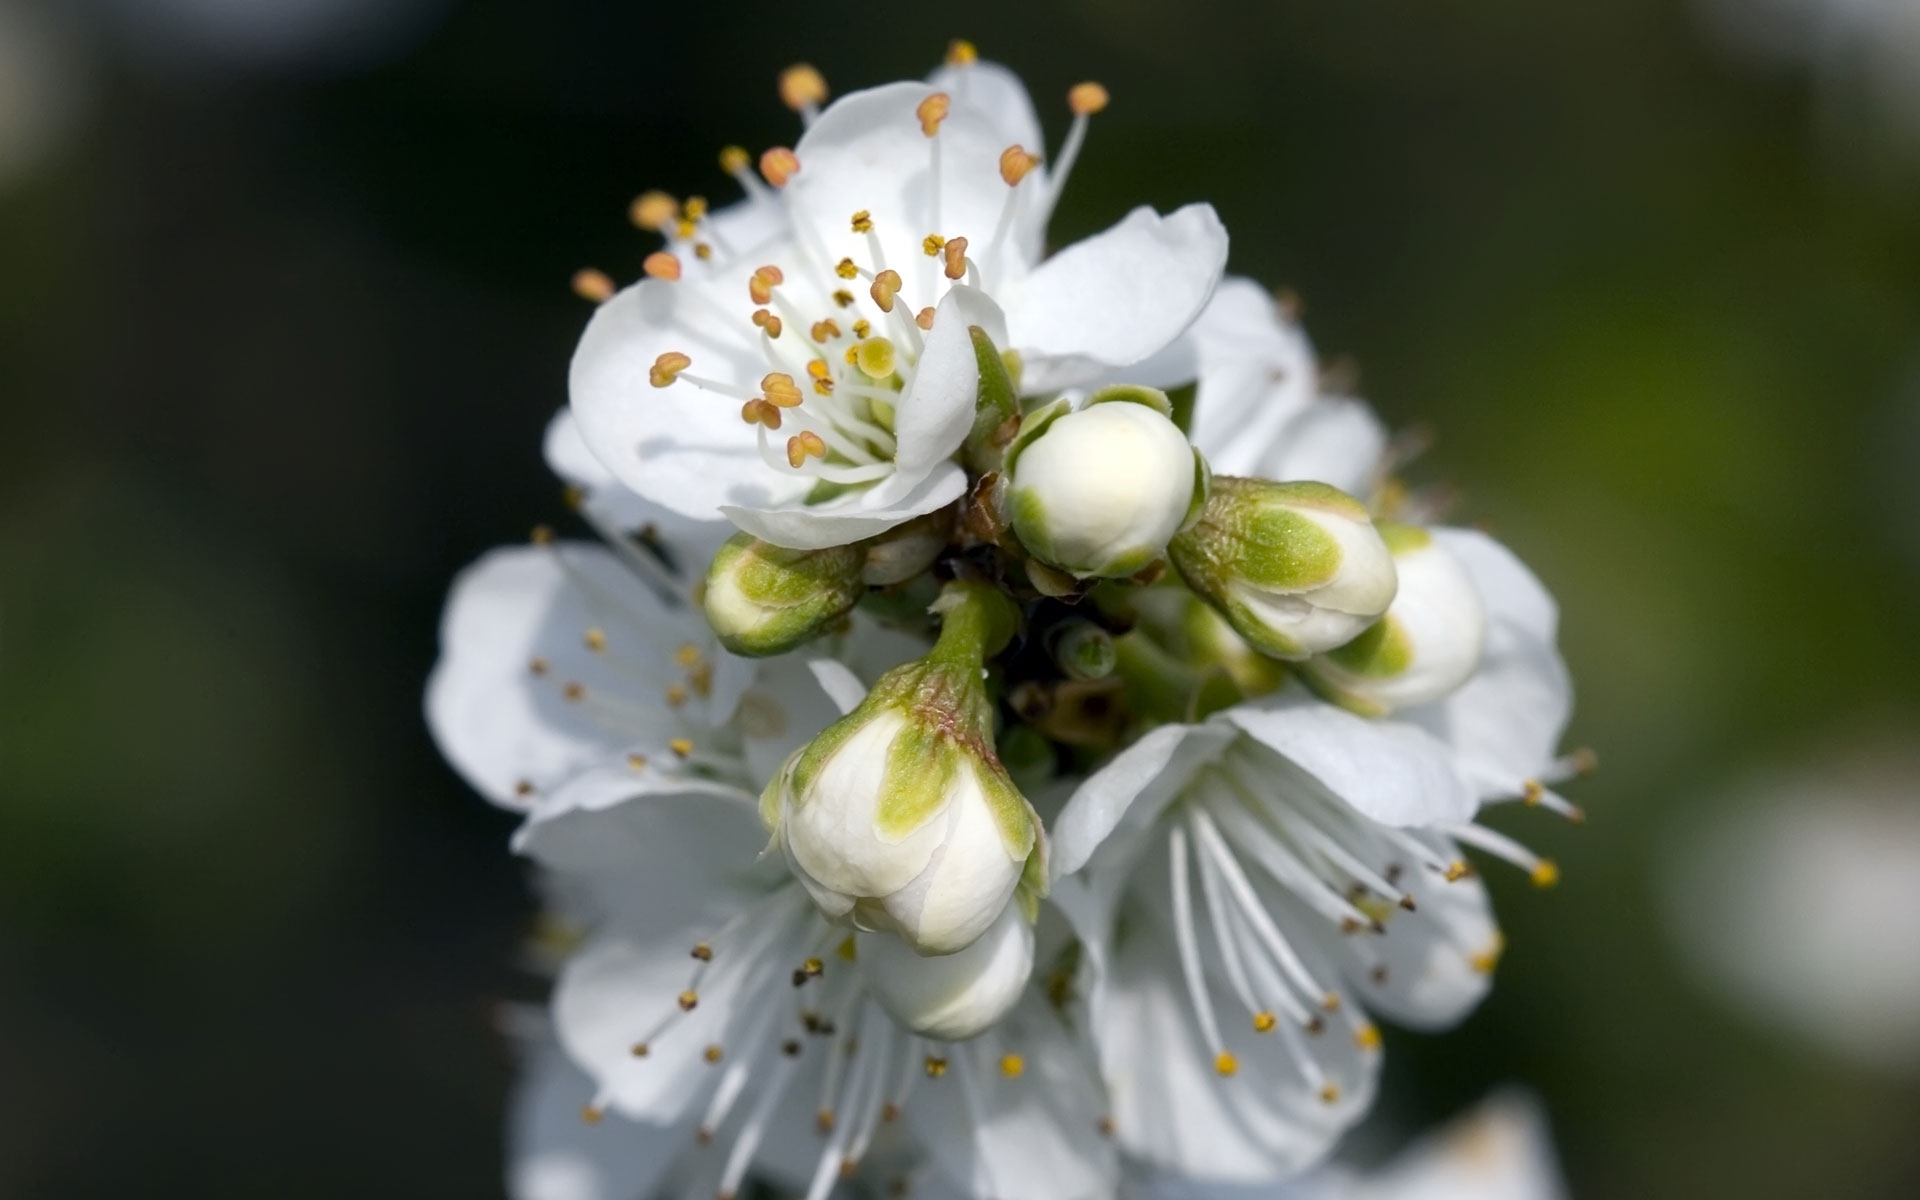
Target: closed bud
{"type": "Point", "coordinates": [899, 817]}
{"type": "Point", "coordinates": [906, 550]}
{"type": "Point", "coordinates": [1099, 492]}
{"type": "Point", "coordinates": [951, 996]}
{"type": "Point", "coordinates": [1426, 645]}
{"type": "Point", "coordinates": [1296, 568]}
{"type": "Point", "coordinates": [763, 599]}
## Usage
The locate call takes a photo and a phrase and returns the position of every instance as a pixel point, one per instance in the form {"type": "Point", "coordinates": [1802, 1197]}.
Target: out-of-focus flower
{"type": "Point", "coordinates": [44, 86]}
{"type": "Point", "coordinates": [296, 35]}
{"type": "Point", "coordinates": [808, 361]}
{"type": "Point", "coordinates": [1787, 897]}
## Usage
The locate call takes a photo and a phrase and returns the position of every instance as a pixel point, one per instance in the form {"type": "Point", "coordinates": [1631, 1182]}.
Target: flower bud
{"type": "Point", "coordinates": [904, 551]}
{"type": "Point", "coordinates": [1427, 645]}
{"type": "Point", "coordinates": [763, 599]}
{"type": "Point", "coordinates": [899, 816]}
{"type": "Point", "coordinates": [951, 996]}
{"type": "Point", "coordinates": [1296, 568]}
{"type": "Point", "coordinates": [1100, 491]}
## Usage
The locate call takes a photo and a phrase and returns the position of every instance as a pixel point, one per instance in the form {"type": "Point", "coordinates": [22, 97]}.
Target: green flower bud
{"type": "Point", "coordinates": [906, 550]}
{"type": "Point", "coordinates": [763, 599]}
{"type": "Point", "coordinates": [1427, 645]}
{"type": "Point", "coordinates": [1296, 568]}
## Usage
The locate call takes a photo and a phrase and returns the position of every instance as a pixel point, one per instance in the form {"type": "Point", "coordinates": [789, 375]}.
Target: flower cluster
{"type": "Point", "coordinates": [1013, 721]}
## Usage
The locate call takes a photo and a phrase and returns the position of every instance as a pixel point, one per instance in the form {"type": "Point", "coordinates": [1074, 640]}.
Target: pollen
{"type": "Point", "coordinates": [1486, 960]}
{"type": "Point", "coordinates": [713, 1053]}
{"type": "Point", "coordinates": [652, 211]}
{"type": "Point", "coordinates": [1545, 873]}
{"type": "Point", "coordinates": [1012, 1066]}
{"type": "Point", "coordinates": [702, 251]}
{"type": "Point", "coordinates": [886, 285]}
{"type": "Point", "coordinates": [1330, 1093]}
{"type": "Point", "coordinates": [779, 165]}
{"type": "Point", "coordinates": [924, 319]}
{"type": "Point", "coordinates": [961, 53]}
{"type": "Point", "coordinates": [682, 747]}
{"type": "Point", "coordinates": [931, 245]}
{"type": "Point", "coordinates": [1457, 870]}
{"type": "Point", "coordinates": [1015, 162]}
{"type": "Point", "coordinates": [862, 328]}
{"type": "Point", "coordinates": [592, 285]}
{"type": "Point", "coordinates": [1264, 1022]}
{"type": "Point", "coordinates": [640, 1050]}
{"type": "Point", "coordinates": [1088, 98]}
{"type": "Point", "coordinates": [523, 788]}
{"type": "Point", "coordinates": [687, 655]}
{"type": "Point", "coordinates": [875, 358]}
{"type": "Point", "coordinates": [661, 265]}
{"type": "Point", "coordinates": [596, 640]}
{"type": "Point", "coordinates": [689, 1000]}
{"type": "Point", "coordinates": [781, 389]}
{"type": "Point", "coordinates": [761, 283]}
{"type": "Point", "coordinates": [956, 254]}
{"type": "Point", "coordinates": [539, 666]}
{"type": "Point", "coordinates": [936, 1067]}
{"type": "Point", "coordinates": [1531, 794]}
{"type": "Point", "coordinates": [843, 297]}
{"type": "Point", "coordinates": [818, 369]}
{"type": "Point", "coordinates": [824, 331]}
{"type": "Point", "coordinates": [1367, 1037]}
{"type": "Point", "coordinates": [846, 269]}
{"type": "Point", "coordinates": [591, 1115]}
{"type": "Point", "coordinates": [696, 209]}
{"type": "Point", "coordinates": [824, 1120]}
{"type": "Point", "coordinates": [734, 159]}
{"type": "Point", "coordinates": [676, 694]}
{"type": "Point", "coordinates": [1225, 1064]}
{"type": "Point", "coordinates": [802, 85]}
{"type": "Point", "coordinates": [573, 693]}
{"type": "Point", "coordinates": [932, 111]}
{"type": "Point", "coordinates": [806, 445]}
{"type": "Point", "coordinates": [667, 368]}
{"type": "Point", "coordinates": [863, 222]}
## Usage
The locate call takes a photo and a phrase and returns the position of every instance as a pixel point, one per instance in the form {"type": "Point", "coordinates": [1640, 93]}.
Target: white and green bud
{"type": "Point", "coordinates": [1426, 645]}
{"type": "Point", "coordinates": [906, 550]}
{"type": "Point", "coordinates": [951, 996]}
{"type": "Point", "coordinates": [1082, 650]}
{"type": "Point", "coordinates": [1098, 492]}
{"type": "Point", "coordinates": [899, 817]}
{"type": "Point", "coordinates": [1296, 568]}
{"type": "Point", "coordinates": [763, 599]}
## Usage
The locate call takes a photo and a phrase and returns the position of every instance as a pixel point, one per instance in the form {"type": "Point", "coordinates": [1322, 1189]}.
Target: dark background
{"type": "Point", "coordinates": [284, 310]}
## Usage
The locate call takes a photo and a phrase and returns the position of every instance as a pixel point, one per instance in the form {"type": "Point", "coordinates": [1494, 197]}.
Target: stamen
{"type": "Point", "coordinates": [1084, 100]}
{"type": "Point", "coordinates": [652, 211]}
{"type": "Point", "coordinates": [1015, 162]}
{"type": "Point", "coordinates": [1012, 1066]}
{"type": "Point", "coordinates": [759, 412]}
{"type": "Point", "coordinates": [931, 245]}
{"type": "Point", "coordinates": [1537, 795]}
{"type": "Point", "coordinates": [748, 1143]}
{"type": "Point", "coordinates": [804, 446]}
{"type": "Point", "coordinates": [779, 165]}
{"type": "Point", "coordinates": [925, 318]}
{"type": "Point", "coordinates": [761, 283]}
{"type": "Point", "coordinates": [886, 285]}
{"type": "Point", "coordinates": [734, 159]}
{"type": "Point", "coordinates": [1088, 98]}
{"type": "Point", "coordinates": [863, 222]}
{"type": "Point", "coordinates": [661, 265]}
{"type": "Point", "coordinates": [1189, 947]}
{"type": "Point", "coordinates": [767, 321]}
{"type": "Point", "coordinates": [956, 255]}
{"type": "Point", "coordinates": [936, 1066]}
{"type": "Point", "coordinates": [961, 53]}
{"type": "Point", "coordinates": [781, 390]}
{"type": "Point", "coordinates": [681, 747]}
{"type": "Point", "coordinates": [932, 111]}
{"type": "Point", "coordinates": [593, 285]}
{"type": "Point", "coordinates": [596, 640]}
{"type": "Point", "coordinates": [1542, 871]}
{"type": "Point", "coordinates": [803, 89]}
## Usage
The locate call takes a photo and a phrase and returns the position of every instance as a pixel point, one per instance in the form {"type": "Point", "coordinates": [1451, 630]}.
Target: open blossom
{"type": "Point", "coordinates": [805, 362]}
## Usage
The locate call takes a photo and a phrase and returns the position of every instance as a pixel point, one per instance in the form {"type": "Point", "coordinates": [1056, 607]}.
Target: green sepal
{"type": "Point", "coordinates": [1202, 488]}
{"type": "Point", "coordinates": [1133, 393]}
{"type": "Point", "coordinates": [1402, 539]}
{"type": "Point", "coordinates": [996, 406]}
{"type": "Point", "coordinates": [763, 599]}
{"type": "Point", "coordinates": [922, 765]}
{"type": "Point", "coordinates": [1031, 427]}
{"type": "Point", "coordinates": [1181, 398]}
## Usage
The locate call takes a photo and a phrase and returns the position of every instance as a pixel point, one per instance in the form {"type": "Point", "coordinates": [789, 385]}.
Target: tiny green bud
{"type": "Point", "coordinates": [1082, 649]}
{"type": "Point", "coordinates": [1426, 645]}
{"type": "Point", "coordinates": [1296, 568]}
{"type": "Point", "coordinates": [763, 599]}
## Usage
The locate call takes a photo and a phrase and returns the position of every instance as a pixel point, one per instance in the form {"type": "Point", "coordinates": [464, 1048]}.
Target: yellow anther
{"type": "Point", "coordinates": [702, 251]}
{"type": "Point", "coordinates": [931, 244]}
{"type": "Point", "coordinates": [685, 228]}
{"type": "Point", "coordinates": [1104, 1126]}
{"type": "Point", "coordinates": [846, 269]}
{"type": "Point", "coordinates": [696, 208]}
{"type": "Point", "coordinates": [813, 968]}
{"type": "Point", "coordinates": [1264, 1022]}
{"type": "Point", "coordinates": [652, 210]}
{"type": "Point", "coordinates": [781, 389]}
{"type": "Point", "coordinates": [713, 1053]}
{"type": "Point", "coordinates": [1225, 1064]}
{"type": "Point", "coordinates": [761, 283]}
{"type": "Point", "coordinates": [1367, 1036]}
{"type": "Point", "coordinates": [676, 694]}
{"type": "Point", "coordinates": [1330, 1002]}
{"type": "Point", "coordinates": [852, 356]}
{"type": "Point", "coordinates": [700, 678]}
{"type": "Point", "coordinates": [542, 535]}
{"type": "Point", "coordinates": [779, 165]}
{"type": "Point", "coordinates": [1085, 99]}
{"type": "Point", "coordinates": [848, 950]}
{"type": "Point", "coordinates": [924, 318]}
{"type": "Point", "coordinates": [1545, 873]}
{"type": "Point", "coordinates": [1012, 1066]}
{"type": "Point", "coordinates": [843, 297]}
{"type": "Point", "coordinates": [1485, 961]}
{"type": "Point", "coordinates": [1584, 761]}
{"type": "Point", "coordinates": [956, 254]}
{"type": "Point", "coordinates": [596, 640]}
{"type": "Point", "coordinates": [1330, 1093]}
{"type": "Point", "coordinates": [824, 1120]}
{"type": "Point", "coordinates": [592, 285]}
{"type": "Point", "coordinates": [875, 357]}
{"type": "Point", "coordinates": [801, 85]}
{"type": "Point", "coordinates": [539, 666]}
{"type": "Point", "coordinates": [639, 1049]}
{"type": "Point", "coordinates": [682, 747]}
{"type": "Point", "coordinates": [889, 1112]}
{"type": "Point", "coordinates": [825, 331]}
{"type": "Point", "coordinates": [806, 445]}
{"type": "Point", "coordinates": [961, 53]}
{"type": "Point", "coordinates": [687, 655]}
{"type": "Point", "coordinates": [1531, 794]}
{"type": "Point", "coordinates": [1015, 162]}
{"type": "Point", "coordinates": [661, 265]}
{"type": "Point", "coordinates": [862, 328]}
{"type": "Point", "coordinates": [590, 1115]}
{"type": "Point", "coordinates": [932, 111]}
{"type": "Point", "coordinates": [689, 1000]}
{"type": "Point", "coordinates": [886, 285]}
{"type": "Point", "coordinates": [734, 159]}
{"type": "Point", "coordinates": [637, 761]}
{"type": "Point", "coordinates": [1457, 870]}
{"type": "Point", "coordinates": [523, 787]}
{"type": "Point", "coordinates": [823, 387]}
{"type": "Point", "coordinates": [667, 368]}
{"type": "Point", "coordinates": [815, 367]}
{"type": "Point", "coordinates": [863, 222]}
{"type": "Point", "coordinates": [573, 496]}
{"type": "Point", "coordinates": [936, 1067]}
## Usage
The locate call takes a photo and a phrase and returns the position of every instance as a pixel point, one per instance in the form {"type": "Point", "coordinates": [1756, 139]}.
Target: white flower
{"type": "Point", "coordinates": [901, 206]}
{"type": "Point", "coordinates": [1243, 886]}
{"type": "Point", "coordinates": [953, 996]}
{"type": "Point", "coordinates": [1426, 645]}
{"type": "Point", "coordinates": [1296, 568]}
{"type": "Point", "coordinates": [899, 816]}
{"type": "Point", "coordinates": [1100, 491]}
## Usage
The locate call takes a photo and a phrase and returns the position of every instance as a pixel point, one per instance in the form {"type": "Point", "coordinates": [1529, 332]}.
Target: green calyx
{"type": "Point", "coordinates": [763, 599]}
{"type": "Point", "coordinates": [996, 412]}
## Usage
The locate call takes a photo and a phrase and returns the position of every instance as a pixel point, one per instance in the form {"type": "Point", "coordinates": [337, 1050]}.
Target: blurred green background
{"type": "Point", "coordinates": [284, 309]}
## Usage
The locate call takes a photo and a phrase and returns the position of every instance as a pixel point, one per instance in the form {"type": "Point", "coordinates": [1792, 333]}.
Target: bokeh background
{"type": "Point", "coordinates": [284, 309]}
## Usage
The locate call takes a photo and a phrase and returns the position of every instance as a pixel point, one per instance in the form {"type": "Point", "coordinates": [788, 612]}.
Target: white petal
{"type": "Point", "coordinates": [936, 411]}
{"type": "Point", "coordinates": [839, 682]}
{"type": "Point", "coordinates": [677, 446]}
{"type": "Point", "coordinates": [998, 96]}
{"type": "Point", "coordinates": [552, 1154]}
{"type": "Point", "coordinates": [1332, 440]}
{"type": "Point", "coordinates": [1257, 374]}
{"type": "Point", "coordinates": [1505, 723]}
{"type": "Point", "coordinates": [691, 543]}
{"type": "Point", "coordinates": [1385, 770]}
{"type": "Point", "coordinates": [1146, 775]}
{"type": "Point", "coordinates": [1500, 1151]}
{"type": "Point", "coordinates": [1115, 298]}
{"type": "Point", "coordinates": [951, 996]}
{"type": "Point", "coordinates": [854, 516]}
{"type": "Point", "coordinates": [503, 725]}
